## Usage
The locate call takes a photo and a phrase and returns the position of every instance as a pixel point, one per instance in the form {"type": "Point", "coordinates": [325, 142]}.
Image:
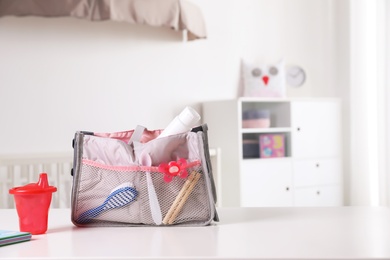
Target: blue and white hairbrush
{"type": "Point", "coordinates": [119, 197]}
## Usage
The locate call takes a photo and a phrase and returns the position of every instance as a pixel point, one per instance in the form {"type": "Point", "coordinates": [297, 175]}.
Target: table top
{"type": "Point", "coordinates": [242, 233]}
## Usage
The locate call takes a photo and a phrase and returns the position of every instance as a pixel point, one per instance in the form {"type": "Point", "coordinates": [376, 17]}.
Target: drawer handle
{"type": "Point", "coordinates": [287, 188]}
{"type": "Point", "coordinates": [298, 129]}
{"type": "Point", "coordinates": [318, 192]}
{"type": "Point", "coordinates": [317, 165]}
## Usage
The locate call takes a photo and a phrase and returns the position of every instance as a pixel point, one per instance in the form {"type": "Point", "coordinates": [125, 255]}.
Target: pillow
{"type": "Point", "coordinates": [263, 80]}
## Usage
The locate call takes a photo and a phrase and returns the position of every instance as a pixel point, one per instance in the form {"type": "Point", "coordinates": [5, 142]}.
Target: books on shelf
{"type": "Point", "coordinates": [8, 237]}
{"type": "Point", "coordinates": [272, 145]}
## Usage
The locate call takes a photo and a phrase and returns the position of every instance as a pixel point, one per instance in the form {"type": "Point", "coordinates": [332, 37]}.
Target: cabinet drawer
{"type": "Point", "coordinates": [320, 196]}
{"type": "Point", "coordinates": [266, 183]}
{"type": "Point", "coordinates": [316, 172]}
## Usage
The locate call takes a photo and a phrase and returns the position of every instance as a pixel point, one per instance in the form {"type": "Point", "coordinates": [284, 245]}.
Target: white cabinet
{"type": "Point", "coordinates": [309, 174]}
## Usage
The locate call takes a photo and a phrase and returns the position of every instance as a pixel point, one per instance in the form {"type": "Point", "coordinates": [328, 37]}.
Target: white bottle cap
{"type": "Point", "coordinates": [189, 117]}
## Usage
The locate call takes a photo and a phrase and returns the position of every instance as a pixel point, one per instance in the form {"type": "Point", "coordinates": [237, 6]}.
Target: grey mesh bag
{"type": "Point", "coordinates": [132, 178]}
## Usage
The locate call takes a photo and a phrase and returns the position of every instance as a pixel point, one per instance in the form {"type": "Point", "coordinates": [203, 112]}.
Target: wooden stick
{"type": "Point", "coordinates": [182, 197]}
{"type": "Point", "coordinates": [178, 197]}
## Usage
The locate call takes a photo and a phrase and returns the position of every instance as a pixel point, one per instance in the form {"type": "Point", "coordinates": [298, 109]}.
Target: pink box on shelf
{"type": "Point", "coordinates": [256, 118]}
{"type": "Point", "coordinates": [256, 123]}
{"type": "Point", "coordinates": [272, 145]}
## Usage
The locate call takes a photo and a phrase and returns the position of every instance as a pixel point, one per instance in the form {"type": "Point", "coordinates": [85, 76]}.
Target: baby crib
{"type": "Point", "coordinates": [18, 170]}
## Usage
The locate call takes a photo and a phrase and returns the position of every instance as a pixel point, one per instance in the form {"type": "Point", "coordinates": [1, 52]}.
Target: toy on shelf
{"type": "Point", "coordinates": [272, 145]}
{"type": "Point", "coordinates": [263, 79]}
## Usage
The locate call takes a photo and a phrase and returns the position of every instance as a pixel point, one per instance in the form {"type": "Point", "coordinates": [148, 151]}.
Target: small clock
{"type": "Point", "coordinates": [295, 76]}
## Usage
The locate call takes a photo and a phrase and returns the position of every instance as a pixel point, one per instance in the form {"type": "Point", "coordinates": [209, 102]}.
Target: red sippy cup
{"type": "Point", "coordinates": [32, 204]}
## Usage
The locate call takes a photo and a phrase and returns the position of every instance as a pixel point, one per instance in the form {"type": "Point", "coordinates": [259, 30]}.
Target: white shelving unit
{"type": "Point", "coordinates": [310, 173]}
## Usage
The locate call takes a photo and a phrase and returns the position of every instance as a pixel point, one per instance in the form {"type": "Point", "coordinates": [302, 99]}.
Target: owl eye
{"type": "Point", "coordinates": [273, 71]}
{"type": "Point", "coordinates": [256, 72]}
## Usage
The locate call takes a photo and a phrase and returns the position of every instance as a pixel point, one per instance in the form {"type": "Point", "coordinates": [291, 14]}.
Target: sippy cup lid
{"type": "Point", "coordinates": [42, 186]}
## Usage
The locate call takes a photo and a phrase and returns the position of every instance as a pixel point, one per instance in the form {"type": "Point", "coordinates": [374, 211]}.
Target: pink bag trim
{"type": "Point", "coordinates": [133, 168]}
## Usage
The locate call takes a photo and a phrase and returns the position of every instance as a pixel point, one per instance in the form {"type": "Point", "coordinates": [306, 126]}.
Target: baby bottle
{"type": "Point", "coordinates": [182, 123]}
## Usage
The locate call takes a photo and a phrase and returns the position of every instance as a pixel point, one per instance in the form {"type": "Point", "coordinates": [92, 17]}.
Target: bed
{"type": "Point", "coordinates": [180, 15]}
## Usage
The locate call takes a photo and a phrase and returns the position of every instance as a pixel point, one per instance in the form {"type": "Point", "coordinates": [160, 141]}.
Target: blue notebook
{"type": "Point", "coordinates": [8, 237]}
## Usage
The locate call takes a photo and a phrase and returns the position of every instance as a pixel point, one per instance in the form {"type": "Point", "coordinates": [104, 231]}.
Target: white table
{"type": "Point", "coordinates": [243, 233]}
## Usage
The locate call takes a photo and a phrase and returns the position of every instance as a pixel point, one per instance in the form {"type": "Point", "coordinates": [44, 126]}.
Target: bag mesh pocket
{"type": "Point", "coordinates": [98, 183]}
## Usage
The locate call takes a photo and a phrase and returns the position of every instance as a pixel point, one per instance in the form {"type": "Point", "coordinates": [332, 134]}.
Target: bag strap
{"type": "Point", "coordinates": [137, 134]}
{"type": "Point", "coordinates": [153, 200]}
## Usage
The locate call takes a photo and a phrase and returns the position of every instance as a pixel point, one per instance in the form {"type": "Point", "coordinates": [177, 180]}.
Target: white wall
{"type": "Point", "coordinates": [59, 75]}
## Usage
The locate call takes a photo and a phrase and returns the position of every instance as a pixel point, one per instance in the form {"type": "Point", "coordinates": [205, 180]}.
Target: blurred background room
{"type": "Point", "coordinates": [59, 75]}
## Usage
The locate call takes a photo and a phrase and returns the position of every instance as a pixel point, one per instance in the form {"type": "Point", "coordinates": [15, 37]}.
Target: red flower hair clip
{"type": "Point", "coordinates": [174, 168]}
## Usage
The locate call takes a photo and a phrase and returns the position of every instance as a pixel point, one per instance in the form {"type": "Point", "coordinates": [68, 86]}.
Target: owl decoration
{"type": "Point", "coordinates": [263, 80]}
